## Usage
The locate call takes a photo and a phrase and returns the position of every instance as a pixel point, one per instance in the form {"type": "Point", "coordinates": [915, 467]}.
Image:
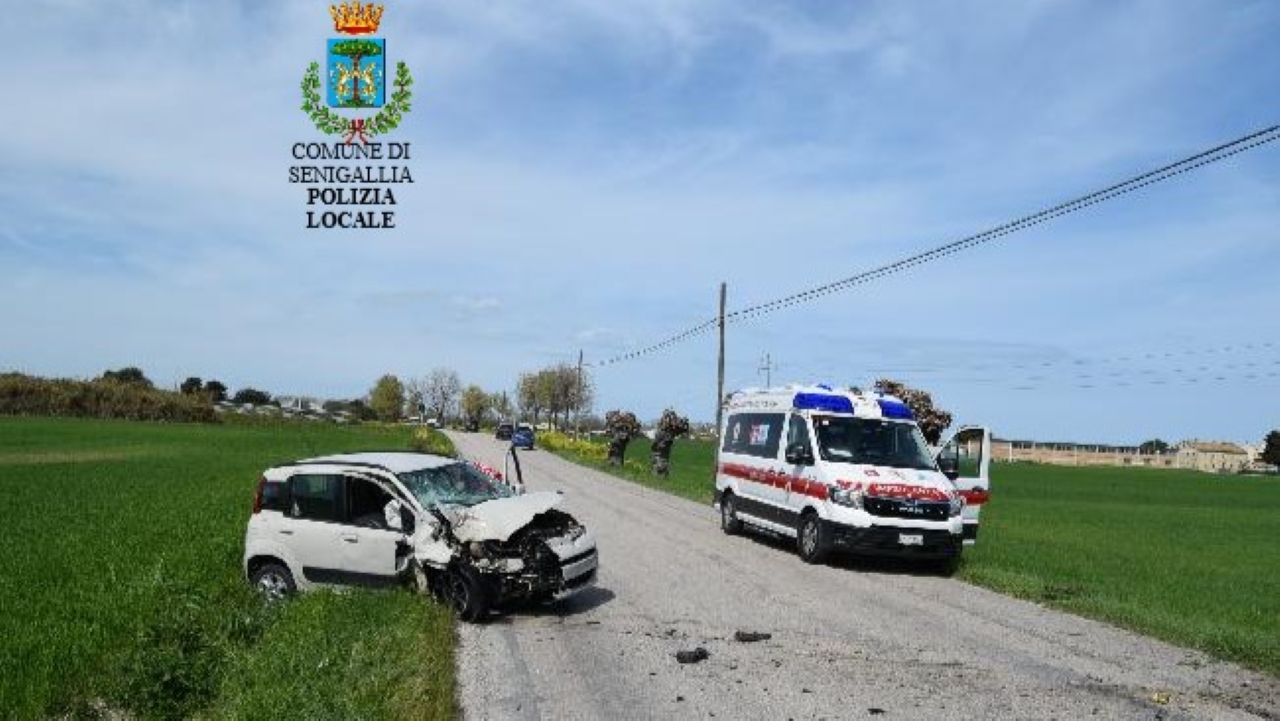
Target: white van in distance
{"type": "Point", "coordinates": [841, 470]}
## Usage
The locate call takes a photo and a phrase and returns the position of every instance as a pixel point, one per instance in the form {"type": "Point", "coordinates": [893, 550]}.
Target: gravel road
{"type": "Point", "coordinates": [849, 640]}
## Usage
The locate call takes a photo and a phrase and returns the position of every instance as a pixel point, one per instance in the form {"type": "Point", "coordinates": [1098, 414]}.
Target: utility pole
{"type": "Point", "coordinates": [577, 418]}
{"type": "Point", "coordinates": [720, 371]}
{"type": "Point", "coordinates": [766, 365]}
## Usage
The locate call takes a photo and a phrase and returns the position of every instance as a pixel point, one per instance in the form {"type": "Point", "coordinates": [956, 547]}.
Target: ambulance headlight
{"type": "Point", "coordinates": [846, 497]}
{"type": "Point", "coordinates": [957, 505]}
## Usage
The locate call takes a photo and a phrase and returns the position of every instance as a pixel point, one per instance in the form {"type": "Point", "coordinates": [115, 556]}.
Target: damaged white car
{"type": "Point", "coordinates": [439, 524]}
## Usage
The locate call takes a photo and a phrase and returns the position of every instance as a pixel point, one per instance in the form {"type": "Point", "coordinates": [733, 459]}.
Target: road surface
{"type": "Point", "coordinates": [849, 640]}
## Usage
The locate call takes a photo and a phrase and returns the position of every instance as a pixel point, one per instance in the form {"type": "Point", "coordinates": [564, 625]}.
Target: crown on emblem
{"type": "Point", "coordinates": [353, 18]}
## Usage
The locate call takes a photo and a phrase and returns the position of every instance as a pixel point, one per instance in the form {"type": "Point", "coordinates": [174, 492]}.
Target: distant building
{"type": "Point", "coordinates": [1078, 454]}
{"type": "Point", "coordinates": [1212, 456]}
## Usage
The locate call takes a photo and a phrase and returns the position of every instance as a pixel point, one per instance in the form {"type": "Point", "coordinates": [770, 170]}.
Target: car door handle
{"type": "Point", "coordinates": [285, 532]}
{"type": "Point", "coordinates": [351, 539]}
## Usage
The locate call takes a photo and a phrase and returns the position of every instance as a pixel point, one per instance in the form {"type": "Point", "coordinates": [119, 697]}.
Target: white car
{"type": "Point", "coordinates": [439, 524]}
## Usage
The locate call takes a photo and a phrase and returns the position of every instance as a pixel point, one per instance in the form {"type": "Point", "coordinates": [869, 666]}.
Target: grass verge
{"type": "Point", "coordinates": [1186, 557]}
{"type": "Point", "coordinates": [692, 470]}
{"type": "Point", "coordinates": [121, 585]}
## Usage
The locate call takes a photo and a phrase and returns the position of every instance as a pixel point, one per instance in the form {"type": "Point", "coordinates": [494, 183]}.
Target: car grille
{"type": "Point", "coordinates": [907, 508]}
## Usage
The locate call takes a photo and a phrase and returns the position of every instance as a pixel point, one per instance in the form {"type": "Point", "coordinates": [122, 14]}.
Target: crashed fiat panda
{"type": "Point", "coordinates": [441, 525]}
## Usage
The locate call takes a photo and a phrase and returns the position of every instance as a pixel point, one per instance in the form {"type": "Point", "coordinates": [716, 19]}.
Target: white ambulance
{"type": "Point", "coordinates": [842, 470]}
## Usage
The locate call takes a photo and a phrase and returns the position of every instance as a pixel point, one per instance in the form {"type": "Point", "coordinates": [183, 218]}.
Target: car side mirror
{"type": "Point", "coordinates": [950, 466]}
{"type": "Point", "coordinates": [799, 454]}
{"type": "Point", "coordinates": [407, 524]}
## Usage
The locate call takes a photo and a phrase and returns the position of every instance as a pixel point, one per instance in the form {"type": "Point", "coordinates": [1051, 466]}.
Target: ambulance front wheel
{"type": "Point", "coordinates": [811, 539]}
{"type": "Point", "coordinates": [729, 521]}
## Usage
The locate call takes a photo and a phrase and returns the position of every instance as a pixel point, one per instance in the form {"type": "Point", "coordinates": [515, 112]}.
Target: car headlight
{"type": "Point", "coordinates": [846, 497]}
{"type": "Point", "coordinates": [957, 505]}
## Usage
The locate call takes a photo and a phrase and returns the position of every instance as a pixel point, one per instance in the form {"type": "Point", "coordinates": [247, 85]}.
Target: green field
{"type": "Point", "coordinates": [121, 587]}
{"type": "Point", "coordinates": [1187, 557]}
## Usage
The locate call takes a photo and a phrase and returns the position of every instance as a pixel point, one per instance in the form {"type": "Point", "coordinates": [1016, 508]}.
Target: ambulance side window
{"type": "Point", "coordinates": [798, 433]}
{"type": "Point", "coordinates": [754, 434]}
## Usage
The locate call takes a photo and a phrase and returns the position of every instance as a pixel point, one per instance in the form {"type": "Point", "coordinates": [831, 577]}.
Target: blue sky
{"type": "Point", "coordinates": [587, 173]}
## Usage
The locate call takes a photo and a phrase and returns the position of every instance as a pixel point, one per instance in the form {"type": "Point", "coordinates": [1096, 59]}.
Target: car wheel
{"type": "Point", "coordinates": [467, 594]}
{"type": "Point", "coordinates": [274, 582]}
{"type": "Point", "coordinates": [729, 521]}
{"type": "Point", "coordinates": [811, 539]}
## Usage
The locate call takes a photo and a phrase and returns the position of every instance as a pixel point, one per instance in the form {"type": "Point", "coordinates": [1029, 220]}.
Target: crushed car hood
{"type": "Point", "coordinates": [498, 519]}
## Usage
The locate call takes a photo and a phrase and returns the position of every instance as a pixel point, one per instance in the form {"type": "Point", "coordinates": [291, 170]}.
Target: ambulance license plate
{"type": "Point", "coordinates": [911, 539]}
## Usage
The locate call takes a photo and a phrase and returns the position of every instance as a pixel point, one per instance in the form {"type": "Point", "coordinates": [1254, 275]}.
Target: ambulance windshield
{"type": "Point", "coordinates": [843, 439]}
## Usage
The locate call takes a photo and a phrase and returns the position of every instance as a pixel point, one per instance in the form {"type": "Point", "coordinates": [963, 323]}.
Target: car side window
{"type": "Point", "coordinates": [316, 497]}
{"type": "Point", "coordinates": [275, 496]}
{"type": "Point", "coordinates": [366, 504]}
{"type": "Point", "coordinates": [798, 433]}
{"type": "Point", "coordinates": [754, 434]}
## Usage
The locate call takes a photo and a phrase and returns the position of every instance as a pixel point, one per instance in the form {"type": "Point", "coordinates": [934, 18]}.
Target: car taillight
{"type": "Point", "coordinates": [257, 497]}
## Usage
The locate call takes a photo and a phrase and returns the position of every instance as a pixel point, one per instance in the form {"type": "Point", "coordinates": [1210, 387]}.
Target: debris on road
{"type": "Point", "coordinates": [695, 656]}
{"type": "Point", "coordinates": [751, 636]}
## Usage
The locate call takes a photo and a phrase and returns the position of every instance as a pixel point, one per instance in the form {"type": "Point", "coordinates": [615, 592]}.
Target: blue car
{"type": "Point", "coordinates": [523, 437]}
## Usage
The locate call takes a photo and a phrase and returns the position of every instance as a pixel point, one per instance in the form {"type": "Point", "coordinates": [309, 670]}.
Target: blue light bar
{"type": "Point", "coordinates": [822, 402]}
{"type": "Point", "coordinates": [894, 409]}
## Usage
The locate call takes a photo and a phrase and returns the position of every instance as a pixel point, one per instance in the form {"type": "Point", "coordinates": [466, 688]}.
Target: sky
{"type": "Point", "coordinates": [588, 172]}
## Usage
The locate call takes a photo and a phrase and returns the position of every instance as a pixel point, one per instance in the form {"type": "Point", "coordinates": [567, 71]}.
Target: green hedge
{"type": "Point", "coordinates": [429, 440]}
{"type": "Point", "coordinates": [23, 395]}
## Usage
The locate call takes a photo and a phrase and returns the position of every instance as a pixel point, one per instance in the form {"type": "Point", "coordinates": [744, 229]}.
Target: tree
{"type": "Point", "coordinates": [1153, 447]}
{"type": "Point", "coordinates": [932, 421]}
{"type": "Point", "coordinates": [416, 391]}
{"type": "Point", "coordinates": [387, 398]}
{"type": "Point", "coordinates": [251, 395]}
{"type": "Point", "coordinates": [475, 403]}
{"type": "Point", "coordinates": [356, 50]}
{"type": "Point", "coordinates": [1271, 450]}
{"type": "Point", "coordinates": [216, 391]}
{"type": "Point", "coordinates": [500, 404]}
{"type": "Point", "coordinates": [441, 390]}
{"type": "Point", "coordinates": [130, 375]}
{"type": "Point", "coordinates": [528, 396]}
{"type": "Point", "coordinates": [670, 427]}
{"type": "Point", "coordinates": [191, 386]}
{"type": "Point", "coordinates": [622, 426]}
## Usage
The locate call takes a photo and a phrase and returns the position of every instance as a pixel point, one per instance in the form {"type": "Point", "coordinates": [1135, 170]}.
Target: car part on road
{"type": "Point", "coordinates": [697, 655]}
{"type": "Point", "coordinates": [751, 636]}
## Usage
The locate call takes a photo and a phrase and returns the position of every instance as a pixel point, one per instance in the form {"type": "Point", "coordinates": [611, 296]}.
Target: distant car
{"type": "Point", "coordinates": [523, 437]}
{"type": "Point", "coordinates": [472, 426]}
{"type": "Point", "coordinates": [433, 422]}
{"type": "Point", "coordinates": [504, 431]}
{"type": "Point", "coordinates": [439, 525]}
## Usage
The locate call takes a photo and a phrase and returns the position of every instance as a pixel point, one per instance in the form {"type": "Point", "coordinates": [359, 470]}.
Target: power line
{"type": "Point", "coordinates": [1137, 182]}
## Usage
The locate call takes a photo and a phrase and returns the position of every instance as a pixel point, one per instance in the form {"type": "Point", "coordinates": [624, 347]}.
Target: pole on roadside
{"type": "Point", "coordinates": [720, 370]}
{"type": "Point", "coordinates": [577, 419]}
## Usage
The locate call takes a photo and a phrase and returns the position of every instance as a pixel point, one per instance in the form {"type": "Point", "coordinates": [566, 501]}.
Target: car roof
{"type": "Point", "coordinates": [396, 462]}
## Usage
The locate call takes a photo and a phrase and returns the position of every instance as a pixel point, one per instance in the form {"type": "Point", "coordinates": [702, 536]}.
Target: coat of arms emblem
{"type": "Point", "coordinates": [356, 78]}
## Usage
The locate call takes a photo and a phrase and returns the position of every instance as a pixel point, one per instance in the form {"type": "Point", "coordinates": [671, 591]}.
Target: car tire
{"type": "Point", "coordinates": [811, 538]}
{"type": "Point", "coordinates": [729, 521]}
{"type": "Point", "coordinates": [274, 581]}
{"type": "Point", "coordinates": [467, 594]}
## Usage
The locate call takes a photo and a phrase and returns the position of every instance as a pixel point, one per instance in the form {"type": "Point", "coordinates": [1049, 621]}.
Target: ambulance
{"type": "Point", "coordinates": [848, 471]}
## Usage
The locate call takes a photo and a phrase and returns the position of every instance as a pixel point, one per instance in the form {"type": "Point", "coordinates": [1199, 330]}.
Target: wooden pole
{"type": "Point", "coordinates": [720, 370]}
{"type": "Point", "coordinates": [577, 420]}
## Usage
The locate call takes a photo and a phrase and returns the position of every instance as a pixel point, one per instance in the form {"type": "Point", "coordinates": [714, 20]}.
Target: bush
{"type": "Point", "coordinates": [429, 440]}
{"type": "Point", "coordinates": [23, 395]}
